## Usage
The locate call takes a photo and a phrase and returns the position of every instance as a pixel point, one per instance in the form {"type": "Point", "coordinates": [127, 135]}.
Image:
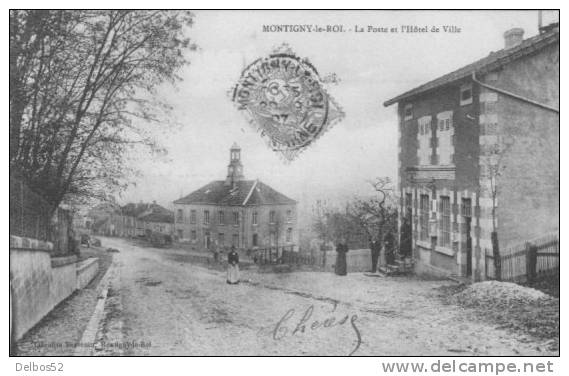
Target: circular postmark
{"type": "Point", "coordinates": [284, 96]}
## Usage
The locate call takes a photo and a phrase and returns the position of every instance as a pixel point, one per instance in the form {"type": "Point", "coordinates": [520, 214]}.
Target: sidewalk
{"type": "Point", "coordinates": [59, 333]}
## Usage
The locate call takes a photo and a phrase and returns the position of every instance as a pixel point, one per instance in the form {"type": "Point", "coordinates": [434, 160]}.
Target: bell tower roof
{"type": "Point", "coordinates": [235, 168]}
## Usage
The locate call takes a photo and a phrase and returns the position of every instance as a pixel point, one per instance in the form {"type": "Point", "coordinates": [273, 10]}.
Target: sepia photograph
{"type": "Point", "coordinates": [291, 183]}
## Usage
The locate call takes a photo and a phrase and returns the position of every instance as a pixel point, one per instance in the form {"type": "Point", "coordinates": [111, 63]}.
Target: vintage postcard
{"type": "Point", "coordinates": [285, 183]}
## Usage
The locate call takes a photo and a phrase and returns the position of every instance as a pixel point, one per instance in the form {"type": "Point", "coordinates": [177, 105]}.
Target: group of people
{"type": "Point", "coordinates": [341, 266]}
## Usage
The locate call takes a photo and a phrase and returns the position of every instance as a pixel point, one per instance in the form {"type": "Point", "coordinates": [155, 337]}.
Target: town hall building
{"type": "Point", "coordinates": [247, 214]}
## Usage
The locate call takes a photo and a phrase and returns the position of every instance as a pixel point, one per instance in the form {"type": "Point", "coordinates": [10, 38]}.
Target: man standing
{"type": "Point", "coordinates": [215, 251]}
{"type": "Point", "coordinates": [389, 248]}
{"type": "Point", "coordinates": [375, 247]}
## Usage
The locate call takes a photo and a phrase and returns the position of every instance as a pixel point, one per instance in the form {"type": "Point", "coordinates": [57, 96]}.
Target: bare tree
{"type": "Point", "coordinates": [332, 223]}
{"type": "Point", "coordinates": [376, 215]}
{"type": "Point", "coordinates": [81, 83]}
{"type": "Point", "coordinates": [495, 167]}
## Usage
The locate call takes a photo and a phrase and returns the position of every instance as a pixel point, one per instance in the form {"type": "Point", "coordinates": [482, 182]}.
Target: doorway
{"type": "Point", "coordinates": [467, 215]}
{"type": "Point", "coordinates": [207, 239]}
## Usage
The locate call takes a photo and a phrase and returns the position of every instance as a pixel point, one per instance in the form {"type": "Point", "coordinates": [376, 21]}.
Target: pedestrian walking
{"type": "Point", "coordinates": [375, 247]}
{"type": "Point", "coordinates": [341, 267]}
{"type": "Point", "coordinates": [233, 267]}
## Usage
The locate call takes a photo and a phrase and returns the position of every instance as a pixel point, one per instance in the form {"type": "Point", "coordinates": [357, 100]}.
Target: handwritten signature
{"type": "Point", "coordinates": [288, 327]}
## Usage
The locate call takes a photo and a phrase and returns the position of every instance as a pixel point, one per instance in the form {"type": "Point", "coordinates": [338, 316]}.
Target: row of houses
{"type": "Point", "coordinates": [130, 220]}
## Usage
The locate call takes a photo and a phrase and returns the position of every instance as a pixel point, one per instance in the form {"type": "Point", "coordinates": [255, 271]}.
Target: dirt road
{"type": "Point", "coordinates": [160, 305]}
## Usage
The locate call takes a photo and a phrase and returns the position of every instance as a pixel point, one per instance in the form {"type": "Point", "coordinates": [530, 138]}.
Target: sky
{"type": "Point", "coordinates": [371, 67]}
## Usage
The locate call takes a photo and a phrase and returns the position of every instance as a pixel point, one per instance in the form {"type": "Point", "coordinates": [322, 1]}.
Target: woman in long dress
{"type": "Point", "coordinates": [341, 267]}
{"type": "Point", "coordinates": [233, 267]}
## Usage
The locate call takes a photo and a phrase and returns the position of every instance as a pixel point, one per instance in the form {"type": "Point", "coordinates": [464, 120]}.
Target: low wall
{"type": "Point", "coordinates": [86, 271]}
{"type": "Point", "coordinates": [358, 260]}
{"type": "Point", "coordinates": [38, 282]}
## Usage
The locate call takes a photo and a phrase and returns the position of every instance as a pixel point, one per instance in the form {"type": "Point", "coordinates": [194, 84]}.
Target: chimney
{"type": "Point", "coordinates": [513, 37]}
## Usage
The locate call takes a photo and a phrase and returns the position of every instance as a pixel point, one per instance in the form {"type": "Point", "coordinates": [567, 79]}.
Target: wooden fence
{"type": "Point", "coordinates": [30, 213]}
{"type": "Point", "coordinates": [282, 255]}
{"type": "Point", "coordinates": [526, 262]}
{"type": "Point", "coordinates": [33, 216]}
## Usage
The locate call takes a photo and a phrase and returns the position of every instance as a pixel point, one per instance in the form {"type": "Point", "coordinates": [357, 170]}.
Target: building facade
{"type": "Point", "coordinates": [479, 152]}
{"type": "Point", "coordinates": [247, 214]}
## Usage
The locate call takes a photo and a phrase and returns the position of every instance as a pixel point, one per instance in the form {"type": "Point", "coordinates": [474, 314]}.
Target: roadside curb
{"type": "Point", "coordinates": [89, 335]}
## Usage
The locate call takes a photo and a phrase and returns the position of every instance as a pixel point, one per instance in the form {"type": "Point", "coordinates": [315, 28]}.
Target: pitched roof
{"type": "Point", "coordinates": [148, 212]}
{"type": "Point", "coordinates": [106, 207]}
{"type": "Point", "coordinates": [245, 193]}
{"type": "Point", "coordinates": [162, 217]}
{"type": "Point", "coordinates": [134, 210]}
{"type": "Point", "coordinates": [486, 64]}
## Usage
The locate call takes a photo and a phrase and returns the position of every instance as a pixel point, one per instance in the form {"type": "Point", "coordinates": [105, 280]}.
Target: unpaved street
{"type": "Point", "coordinates": [175, 308]}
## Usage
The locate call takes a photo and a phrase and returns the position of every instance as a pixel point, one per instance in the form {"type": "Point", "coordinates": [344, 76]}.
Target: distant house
{"type": "Point", "coordinates": [106, 219]}
{"type": "Point", "coordinates": [237, 212]}
{"type": "Point", "coordinates": [142, 218]}
{"type": "Point", "coordinates": [478, 152]}
{"type": "Point", "coordinates": [156, 219]}
{"type": "Point", "coordinates": [131, 212]}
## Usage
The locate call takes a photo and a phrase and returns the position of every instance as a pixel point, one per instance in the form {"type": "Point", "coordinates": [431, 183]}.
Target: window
{"type": "Point", "coordinates": [289, 234]}
{"type": "Point", "coordinates": [194, 235]}
{"type": "Point", "coordinates": [465, 94]}
{"type": "Point", "coordinates": [235, 240]}
{"type": "Point", "coordinates": [445, 221]}
{"type": "Point", "coordinates": [466, 208]}
{"type": "Point", "coordinates": [254, 218]}
{"type": "Point", "coordinates": [424, 218]}
{"type": "Point", "coordinates": [193, 217]}
{"type": "Point", "coordinates": [425, 147]}
{"type": "Point", "coordinates": [221, 238]}
{"type": "Point", "coordinates": [206, 217]}
{"type": "Point", "coordinates": [235, 218]}
{"type": "Point", "coordinates": [445, 135]}
{"type": "Point", "coordinates": [289, 215]}
{"type": "Point", "coordinates": [408, 112]}
{"type": "Point", "coordinates": [221, 217]}
{"type": "Point", "coordinates": [180, 234]}
{"type": "Point", "coordinates": [255, 240]}
{"type": "Point", "coordinates": [180, 216]}
{"type": "Point", "coordinates": [272, 216]}
{"type": "Point", "coordinates": [408, 200]}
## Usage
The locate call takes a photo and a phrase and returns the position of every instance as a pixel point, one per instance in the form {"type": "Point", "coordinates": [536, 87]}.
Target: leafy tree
{"type": "Point", "coordinates": [81, 83]}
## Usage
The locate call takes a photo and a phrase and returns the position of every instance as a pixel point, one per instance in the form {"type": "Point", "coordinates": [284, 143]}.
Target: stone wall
{"type": "Point", "coordinates": [38, 282]}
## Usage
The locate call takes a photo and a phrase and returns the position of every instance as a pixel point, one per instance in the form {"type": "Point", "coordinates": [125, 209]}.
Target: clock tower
{"type": "Point", "coordinates": [235, 168]}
